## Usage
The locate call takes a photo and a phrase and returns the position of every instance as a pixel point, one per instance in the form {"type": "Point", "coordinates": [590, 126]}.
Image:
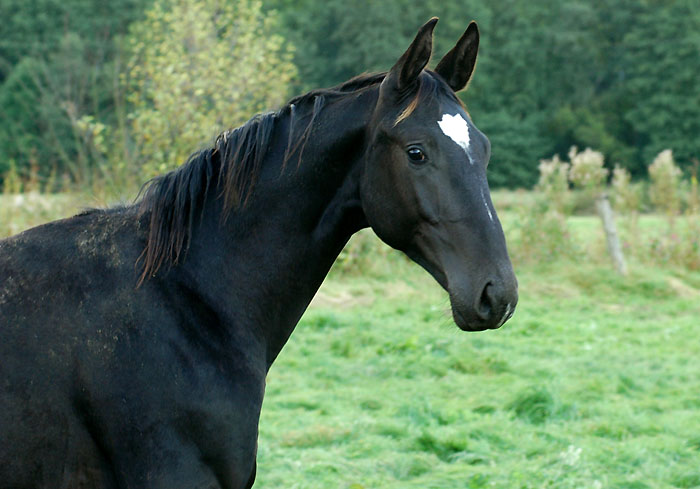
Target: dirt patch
{"type": "Point", "coordinates": [682, 289]}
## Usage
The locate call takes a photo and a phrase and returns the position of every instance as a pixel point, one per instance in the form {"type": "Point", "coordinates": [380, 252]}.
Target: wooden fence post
{"type": "Point", "coordinates": [602, 205]}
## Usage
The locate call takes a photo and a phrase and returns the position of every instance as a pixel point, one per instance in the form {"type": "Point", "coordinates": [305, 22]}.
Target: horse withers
{"type": "Point", "coordinates": [135, 341]}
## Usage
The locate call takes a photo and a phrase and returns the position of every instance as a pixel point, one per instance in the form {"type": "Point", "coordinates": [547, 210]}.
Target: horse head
{"type": "Point", "coordinates": [424, 189]}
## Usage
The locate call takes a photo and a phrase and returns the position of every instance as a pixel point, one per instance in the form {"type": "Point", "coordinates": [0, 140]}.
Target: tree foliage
{"type": "Point", "coordinates": [618, 76]}
{"type": "Point", "coordinates": [614, 75]}
{"type": "Point", "coordinates": [58, 62]}
{"type": "Point", "coordinates": [198, 67]}
{"type": "Point", "coordinates": [662, 66]}
{"type": "Point", "coordinates": [42, 99]}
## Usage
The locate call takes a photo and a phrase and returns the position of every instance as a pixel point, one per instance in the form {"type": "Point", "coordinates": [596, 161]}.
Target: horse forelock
{"type": "Point", "coordinates": [429, 86]}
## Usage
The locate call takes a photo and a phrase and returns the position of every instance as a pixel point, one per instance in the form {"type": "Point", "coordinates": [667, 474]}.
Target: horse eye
{"type": "Point", "coordinates": [416, 154]}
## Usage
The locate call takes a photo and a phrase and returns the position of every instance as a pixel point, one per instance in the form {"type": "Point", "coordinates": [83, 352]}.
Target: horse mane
{"type": "Point", "coordinates": [173, 199]}
{"type": "Point", "coordinates": [231, 167]}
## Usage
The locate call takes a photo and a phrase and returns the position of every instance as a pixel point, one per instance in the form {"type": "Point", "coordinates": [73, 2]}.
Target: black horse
{"type": "Point", "coordinates": [135, 341]}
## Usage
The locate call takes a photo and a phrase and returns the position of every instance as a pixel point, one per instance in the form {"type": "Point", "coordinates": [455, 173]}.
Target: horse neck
{"type": "Point", "coordinates": [261, 269]}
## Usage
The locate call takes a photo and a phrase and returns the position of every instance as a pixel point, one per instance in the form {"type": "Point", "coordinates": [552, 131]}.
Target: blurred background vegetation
{"type": "Point", "coordinates": [97, 97]}
{"type": "Point", "coordinates": [116, 91]}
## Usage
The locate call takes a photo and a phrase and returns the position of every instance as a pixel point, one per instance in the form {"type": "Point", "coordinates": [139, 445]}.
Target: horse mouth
{"type": "Point", "coordinates": [469, 323]}
{"type": "Point", "coordinates": [466, 325]}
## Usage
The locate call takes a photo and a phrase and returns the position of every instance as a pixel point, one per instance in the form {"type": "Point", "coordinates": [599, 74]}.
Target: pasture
{"type": "Point", "coordinates": [594, 383]}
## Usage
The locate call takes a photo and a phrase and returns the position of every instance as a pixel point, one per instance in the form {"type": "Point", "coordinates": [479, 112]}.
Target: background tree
{"type": "Point", "coordinates": [58, 62]}
{"type": "Point", "coordinates": [199, 67]}
{"type": "Point", "coordinates": [662, 89]}
{"type": "Point", "coordinates": [551, 74]}
{"type": "Point", "coordinates": [618, 76]}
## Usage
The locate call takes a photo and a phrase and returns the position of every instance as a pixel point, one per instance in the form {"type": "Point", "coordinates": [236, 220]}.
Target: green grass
{"type": "Point", "coordinates": [594, 383]}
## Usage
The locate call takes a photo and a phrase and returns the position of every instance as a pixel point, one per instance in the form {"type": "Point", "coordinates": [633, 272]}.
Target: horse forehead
{"type": "Point", "coordinates": [456, 126]}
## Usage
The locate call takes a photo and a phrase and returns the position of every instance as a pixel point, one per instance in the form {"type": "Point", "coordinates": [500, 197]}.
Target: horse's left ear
{"type": "Point", "coordinates": [458, 65]}
{"type": "Point", "coordinates": [406, 70]}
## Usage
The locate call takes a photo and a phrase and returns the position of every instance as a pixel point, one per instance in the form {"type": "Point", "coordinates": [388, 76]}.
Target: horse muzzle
{"type": "Point", "coordinates": [489, 308]}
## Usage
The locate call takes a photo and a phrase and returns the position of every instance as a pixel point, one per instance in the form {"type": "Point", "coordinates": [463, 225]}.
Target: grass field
{"type": "Point", "coordinates": [594, 383]}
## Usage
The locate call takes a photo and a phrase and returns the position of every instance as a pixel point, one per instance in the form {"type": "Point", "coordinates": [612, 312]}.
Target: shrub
{"type": "Point", "coordinates": [199, 67]}
{"type": "Point", "coordinates": [542, 225]}
{"type": "Point", "coordinates": [587, 170]}
{"type": "Point", "coordinates": [553, 184]}
{"type": "Point", "coordinates": [664, 188]}
{"type": "Point", "coordinates": [625, 196]}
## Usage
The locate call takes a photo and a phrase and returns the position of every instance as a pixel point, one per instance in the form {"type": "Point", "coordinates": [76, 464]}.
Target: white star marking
{"type": "Point", "coordinates": [457, 129]}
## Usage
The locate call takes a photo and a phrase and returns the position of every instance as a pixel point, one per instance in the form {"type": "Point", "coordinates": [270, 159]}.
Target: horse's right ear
{"type": "Point", "coordinates": [406, 70]}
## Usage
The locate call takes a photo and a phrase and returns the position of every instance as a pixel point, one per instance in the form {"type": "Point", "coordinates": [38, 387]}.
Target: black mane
{"type": "Point", "coordinates": [174, 199]}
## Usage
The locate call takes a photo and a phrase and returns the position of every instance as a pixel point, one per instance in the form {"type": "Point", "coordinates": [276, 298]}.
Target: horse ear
{"type": "Point", "coordinates": [406, 70]}
{"type": "Point", "coordinates": [458, 65]}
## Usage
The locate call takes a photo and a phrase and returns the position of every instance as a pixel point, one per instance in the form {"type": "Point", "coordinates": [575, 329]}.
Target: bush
{"type": "Point", "coordinates": [625, 196]}
{"type": "Point", "coordinates": [543, 232]}
{"type": "Point", "coordinates": [587, 170]}
{"type": "Point", "coordinates": [665, 178]}
{"type": "Point", "coordinates": [198, 68]}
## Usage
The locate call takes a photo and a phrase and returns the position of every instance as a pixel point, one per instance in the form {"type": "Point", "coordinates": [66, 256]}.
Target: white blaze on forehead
{"type": "Point", "coordinates": [457, 129]}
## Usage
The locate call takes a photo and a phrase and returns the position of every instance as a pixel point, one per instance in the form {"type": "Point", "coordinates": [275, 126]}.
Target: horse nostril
{"type": "Point", "coordinates": [485, 307]}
